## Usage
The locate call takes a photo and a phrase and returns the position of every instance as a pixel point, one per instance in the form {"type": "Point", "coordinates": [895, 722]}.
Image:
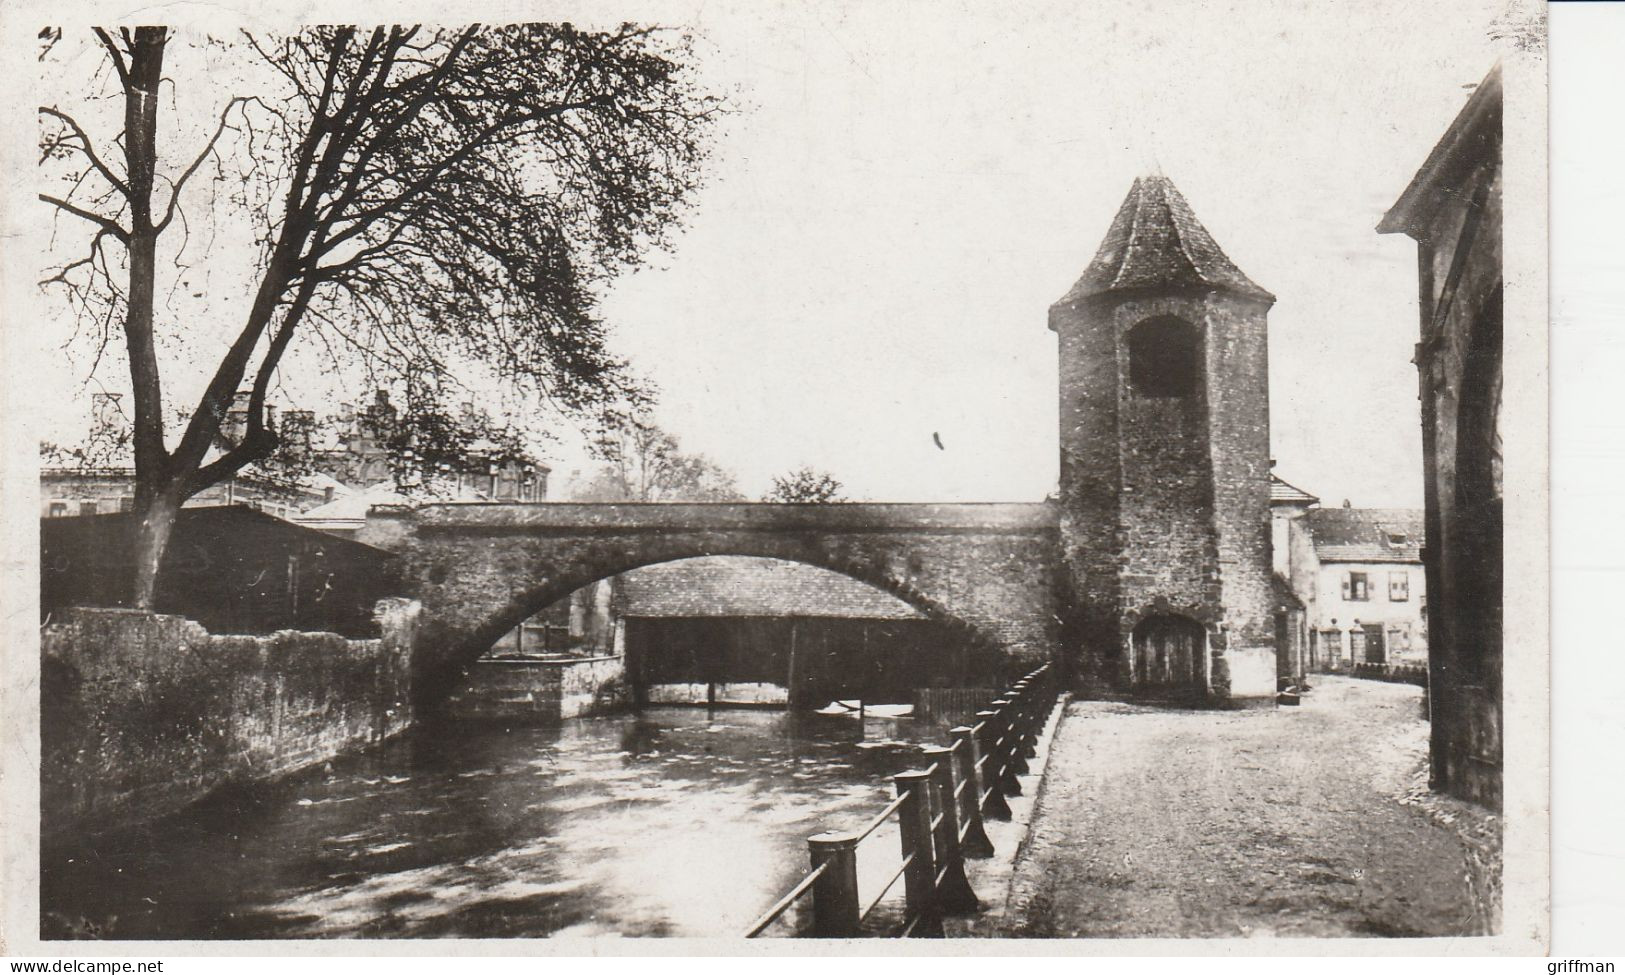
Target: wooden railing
{"type": "Point", "coordinates": [940, 811]}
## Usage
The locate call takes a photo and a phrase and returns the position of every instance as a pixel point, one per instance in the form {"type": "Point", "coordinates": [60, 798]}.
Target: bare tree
{"type": "Point", "coordinates": [645, 463]}
{"type": "Point", "coordinates": [804, 485]}
{"type": "Point", "coordinates": [436, 197]}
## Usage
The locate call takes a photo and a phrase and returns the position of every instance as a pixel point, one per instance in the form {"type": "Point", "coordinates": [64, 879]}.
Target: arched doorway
{"type": "Point", "coordinates": [1170, 655]}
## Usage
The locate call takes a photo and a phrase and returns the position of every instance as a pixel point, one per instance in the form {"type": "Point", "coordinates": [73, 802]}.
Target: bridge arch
{"type": "Point", "coordinates": [987, 570]}
{"type": "Point", "coordinates": [527, 602]}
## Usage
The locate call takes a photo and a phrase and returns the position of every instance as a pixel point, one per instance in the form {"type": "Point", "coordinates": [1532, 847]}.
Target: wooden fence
{"type": "Point", "coordinates": [956, 704]}
{"type": "Point", "coordinates": [940, 811]}
{"type": "Point", "coordinates": [1395, 673]}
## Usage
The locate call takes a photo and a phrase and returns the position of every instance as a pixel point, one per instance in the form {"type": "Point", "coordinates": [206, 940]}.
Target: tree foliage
{"type": "Point", "coordinates": [429, 204]}
{"type": "Point", "coordinates": [805, 486]}
{"type": "Point", "coordinates": [644, 463]}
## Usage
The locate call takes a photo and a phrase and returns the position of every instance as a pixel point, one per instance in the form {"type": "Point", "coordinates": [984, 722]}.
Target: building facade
{"type": "Point", "coordinates": [361, 458]}
{"type": "Point", "coordinates": [356, 466]}
{"type": "Point", "coordinates": [1164, 436]}
{"type": "Point", "coordinates": [1452, 209]}
{"type": "Point", "coordinates": [1370, 592]}
{"type": "Point", "coordinates": [69, 491]}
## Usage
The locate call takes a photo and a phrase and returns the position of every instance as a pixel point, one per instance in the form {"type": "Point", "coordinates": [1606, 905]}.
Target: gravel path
{"type": "Point", "coordinates": [1285, 822]}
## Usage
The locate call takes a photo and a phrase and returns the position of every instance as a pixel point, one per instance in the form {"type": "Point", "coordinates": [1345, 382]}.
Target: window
{"type": "Point", "coordinates": [126, 503]}
{"type": "Point", "coordinates": [87, 507]}
{"type": "Point", "coordinates": [1355, 587]}
{"type": "Point", "coordinates": [59, 509]}
{"type": "Point", "coordinates": [1399, 587]}
{"type": "Point", "coordinates": [1397, 539]}
{"type": "Point", "coordinates": [1164, 357]}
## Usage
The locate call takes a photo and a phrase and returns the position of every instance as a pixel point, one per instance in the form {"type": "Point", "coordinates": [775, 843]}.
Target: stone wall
{"type": "Point", "coordinates": [1239, 444]}
{"type": "Point", "coordinates": [141, 714]}
{"type": "Point", "coordinates": [537, 691]}
{"type": "Point", "coordinates": [734, 694]}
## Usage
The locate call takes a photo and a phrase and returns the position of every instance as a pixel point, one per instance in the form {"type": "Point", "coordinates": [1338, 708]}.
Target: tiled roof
{"type": "Point", "coordinates": [1156, 243]}
{"type": "Point", "coordinates": [1283, 493]}
{"type": "Point", "coordinates": [728, 586]}
{"type": "Point", "coordinates": [1366, 534]}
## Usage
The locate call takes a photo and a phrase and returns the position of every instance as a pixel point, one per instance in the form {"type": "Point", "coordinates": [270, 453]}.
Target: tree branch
{"type": "Point", "coordinates": [258, 442]}
{"type": "Point", "coordinates": [175, 189]}
{"type": "Point", "coordinates": [87, 148]}
{"type": "Point", "coordinates": [103, 222]}
{"type": "Point", "coordinates": [118, 59]}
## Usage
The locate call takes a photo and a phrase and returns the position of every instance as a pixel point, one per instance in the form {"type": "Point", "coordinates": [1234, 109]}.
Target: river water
{"type": "Point", "coordinates": [669, 822]}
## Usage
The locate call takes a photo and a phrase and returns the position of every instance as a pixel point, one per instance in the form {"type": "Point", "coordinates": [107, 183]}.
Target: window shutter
{"type": "Point", "coordinates": [1348, 587]}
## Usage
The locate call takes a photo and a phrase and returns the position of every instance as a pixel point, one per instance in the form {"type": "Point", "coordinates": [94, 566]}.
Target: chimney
{"type": "Point", "coordinates": [298, 428]}
{"type": "Point", "coordinates": [236, 421]}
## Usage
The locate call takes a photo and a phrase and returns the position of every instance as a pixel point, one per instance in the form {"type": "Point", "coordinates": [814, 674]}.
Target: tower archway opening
{"type": "Point", "coordinates": [1165, 357]}
{"type": "Point", "coordinates": [1170, 654]}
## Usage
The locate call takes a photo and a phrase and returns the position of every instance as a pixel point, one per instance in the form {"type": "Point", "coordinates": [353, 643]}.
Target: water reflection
{"type": "Point", "coordinates": [669, 822]}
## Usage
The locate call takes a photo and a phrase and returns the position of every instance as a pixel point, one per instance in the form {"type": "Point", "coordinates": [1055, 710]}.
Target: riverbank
{"type": "Point", "coordinates": [1293, 822]}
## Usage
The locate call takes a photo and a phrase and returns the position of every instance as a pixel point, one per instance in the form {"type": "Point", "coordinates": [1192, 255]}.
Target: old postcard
{"type": "Point", "coordinates": [857, 477]}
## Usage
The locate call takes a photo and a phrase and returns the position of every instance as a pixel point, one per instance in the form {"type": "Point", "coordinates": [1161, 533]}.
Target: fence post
{"type": "Point", "coordinates": [987, 729]}
{"type": "Point", "coordinates": [976, 843]}
{"type": "Point", "coordinates": [835, 892]}
{"type": "Point", "coordinates": [1015, 716]}
{"type": "Point", "coordinates": [1011, 763]}
{"type": "Point", "coordinates": [1043, 704]}
{"type": "Point", "coordinates": [1031, 698]}
{"type": "Point", "coordinates": [954, 891]}
{"type": "Point", "coordinates": [919, 882]}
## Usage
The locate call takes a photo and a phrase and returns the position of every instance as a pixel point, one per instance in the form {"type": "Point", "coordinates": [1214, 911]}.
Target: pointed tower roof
{"type": "Point", "coordinates": [1156, 243]}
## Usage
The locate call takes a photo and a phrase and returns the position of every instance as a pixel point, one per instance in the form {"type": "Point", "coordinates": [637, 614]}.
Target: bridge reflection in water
{"type": "Point", "coordinates": [671, 822]}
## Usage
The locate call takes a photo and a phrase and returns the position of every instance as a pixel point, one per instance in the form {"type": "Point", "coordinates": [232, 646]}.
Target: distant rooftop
{"type": "Point", "coordinates": [744, 587]}
{"type": "Point", "coordinates": [1367, 534]}
{"type": "Point", "coordinates": [1156, 243]}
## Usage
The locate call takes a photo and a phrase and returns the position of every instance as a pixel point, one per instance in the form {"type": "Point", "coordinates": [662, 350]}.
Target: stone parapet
{"type": "Point", "coordinates": [141, 714]}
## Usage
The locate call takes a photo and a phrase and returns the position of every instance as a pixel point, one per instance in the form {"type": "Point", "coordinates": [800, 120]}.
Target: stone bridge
{"type": "Point", "coordinates": [480, 569]}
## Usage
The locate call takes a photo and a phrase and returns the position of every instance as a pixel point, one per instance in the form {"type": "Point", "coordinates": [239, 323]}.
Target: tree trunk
{"type": "Point", "coordinates": [156, 497]}
{"type": "Point", "coordinates": [156, 520]}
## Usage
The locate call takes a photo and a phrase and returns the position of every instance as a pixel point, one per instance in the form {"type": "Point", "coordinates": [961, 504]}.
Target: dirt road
{"type": "Point", "coordinates": [1286, 822]}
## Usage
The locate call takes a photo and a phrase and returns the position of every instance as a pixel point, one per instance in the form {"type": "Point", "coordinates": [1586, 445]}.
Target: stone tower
{"type": "Point", "coordinates": [1165, 520]}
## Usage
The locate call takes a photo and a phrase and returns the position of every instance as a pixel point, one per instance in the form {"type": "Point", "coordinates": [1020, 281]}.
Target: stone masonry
{"type": "Point", "coordinates": [141, 714]}
{"type": "Point", "coordinates": [1164, 483]}
{"type": "Point", "coordinates": [985, 569]}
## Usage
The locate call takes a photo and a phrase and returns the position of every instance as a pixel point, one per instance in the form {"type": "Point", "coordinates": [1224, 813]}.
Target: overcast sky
{"type": "Point", "coordinates": [904, 189]}
{"type": "Point", "coordinates": [906, 192]}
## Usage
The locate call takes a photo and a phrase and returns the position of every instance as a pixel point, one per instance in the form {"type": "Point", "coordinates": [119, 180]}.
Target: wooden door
{"type": "Point", "coordinates": [1168, 654]}
{"type": "Point", "coordinates": [1374, 650]}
